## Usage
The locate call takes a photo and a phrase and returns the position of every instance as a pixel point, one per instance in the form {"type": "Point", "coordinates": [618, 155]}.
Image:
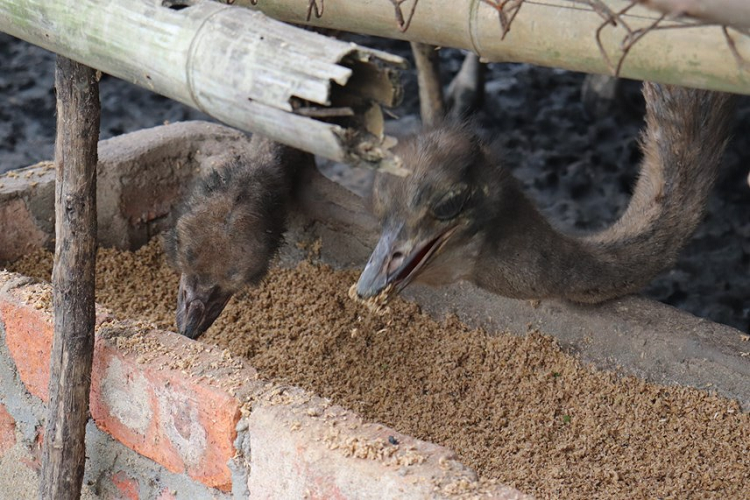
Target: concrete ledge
{"type": "Point", "coordinates": [139, 177]}
{"type": "Point", "coordinates": [340, 456]}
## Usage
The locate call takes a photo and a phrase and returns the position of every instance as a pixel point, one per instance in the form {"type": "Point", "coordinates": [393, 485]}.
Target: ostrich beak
{"type": "Point", "coordinates": [198, 306]}
{"type": "Point", "coordinates": [398, 260]}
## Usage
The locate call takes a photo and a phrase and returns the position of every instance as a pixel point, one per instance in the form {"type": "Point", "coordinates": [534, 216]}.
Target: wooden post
{"type": "Point", "coordinates": [63, 454]}
{"type": "Point", "coordinates": [431, 103]}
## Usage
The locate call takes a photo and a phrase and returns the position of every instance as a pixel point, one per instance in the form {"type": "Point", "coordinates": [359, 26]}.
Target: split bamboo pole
{"type": "Point", "coordinates": [73, 278]}
{"type": "Point", "coordinates": [239, 66]}
{"type": "Point", "coordinates": [555, 33]}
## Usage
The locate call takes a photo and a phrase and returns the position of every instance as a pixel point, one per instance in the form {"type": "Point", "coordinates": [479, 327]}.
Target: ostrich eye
{"type": "Point", "coordinates": [450, 205]}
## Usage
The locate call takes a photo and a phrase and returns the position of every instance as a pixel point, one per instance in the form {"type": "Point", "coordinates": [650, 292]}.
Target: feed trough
{"type": "Point", "coordinates": [263, 405]}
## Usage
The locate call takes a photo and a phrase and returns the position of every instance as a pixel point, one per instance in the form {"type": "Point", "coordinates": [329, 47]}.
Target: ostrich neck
{"type": "Point", "coordinates": [529, 259]}
{"type": "Point", "coordinates": [523, 256]}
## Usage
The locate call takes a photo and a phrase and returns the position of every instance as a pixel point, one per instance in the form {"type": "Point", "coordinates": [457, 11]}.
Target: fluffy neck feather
{"type": "Point", "coordinates": [683, 144]}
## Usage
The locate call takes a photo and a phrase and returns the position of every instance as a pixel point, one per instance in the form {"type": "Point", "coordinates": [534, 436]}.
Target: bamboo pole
{"type": "Point", "coordinates": [734, 13]}
{"type": "Point", "coordinates": [556, 33]}
{"type": "Point", "coordinates": [239, 66]}
{"type": "Point", "coordinates": [63, 453]}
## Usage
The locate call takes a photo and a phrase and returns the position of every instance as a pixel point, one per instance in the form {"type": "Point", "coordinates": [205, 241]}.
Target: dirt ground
{"type": "Point", "coordinates": [579, 169]}
{"type": "Point", "coordinates": [514, 407]}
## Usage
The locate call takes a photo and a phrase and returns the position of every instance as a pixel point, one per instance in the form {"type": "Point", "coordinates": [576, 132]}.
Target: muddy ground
{"type": "Point", "coordinates": [580, 169]}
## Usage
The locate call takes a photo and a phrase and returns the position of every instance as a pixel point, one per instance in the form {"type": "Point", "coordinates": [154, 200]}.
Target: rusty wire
{"type": "Point", "coordinates": [614, 19]}
{"type": "Point", "coordinates": [506, 12]}
{"type": "Point", "coordinates": [508, 9]}
{"type": "Point", "coordinates": [632, 36]}
{"type": "Point", "coordinates": [402, 22]}
{"type": "Point", "coordinates": [312, 7]}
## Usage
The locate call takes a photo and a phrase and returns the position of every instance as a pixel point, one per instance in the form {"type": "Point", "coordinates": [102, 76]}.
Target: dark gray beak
{"type": "Point", "coordinates": [198, 307]}
{"type": "Point", "coordinates": [376, 275]}
{"type": "Point", "coordinates": [398, 259]}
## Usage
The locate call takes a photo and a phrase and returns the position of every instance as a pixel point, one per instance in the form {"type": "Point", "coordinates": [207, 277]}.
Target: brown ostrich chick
{"type": "Point", "coordinates": [228, 229]}
{"type": "Point", "coordinates": [460, 215]}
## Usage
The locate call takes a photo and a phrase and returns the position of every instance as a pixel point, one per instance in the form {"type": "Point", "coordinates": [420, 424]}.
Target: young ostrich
{"type": "Point", "coordinates": [228, 230]}
{"type": "Point", "coordinates": [460, 215]}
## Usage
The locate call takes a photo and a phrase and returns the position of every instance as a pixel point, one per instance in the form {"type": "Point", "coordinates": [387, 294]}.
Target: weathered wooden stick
{"type": "Point", "coordinates": [431, 103]}
{"type": "Point", "coordinates": [557, 33]}
{"type": "Point", "coordinates": [63, 454]}
{"type": "Point", "coordinates": [239, 66]}
{"type": "Point", "coordinates": [465, 93]}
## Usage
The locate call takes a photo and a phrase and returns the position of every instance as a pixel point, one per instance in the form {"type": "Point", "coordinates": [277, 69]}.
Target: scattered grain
{"type": "Point", "coordinates": [376, 305]}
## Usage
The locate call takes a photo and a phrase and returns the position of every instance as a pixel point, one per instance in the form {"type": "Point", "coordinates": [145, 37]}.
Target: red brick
{"type": "Point", "coordinates": [28, 335]}
{"type": "Point", "coordinates": [7, 431]}
{"type": "Point", "coordinates": [126, 487]}
{"type": "Point", "coordinates": [184, 424]}
{"type": "Point", "coordinates": [29, 331]}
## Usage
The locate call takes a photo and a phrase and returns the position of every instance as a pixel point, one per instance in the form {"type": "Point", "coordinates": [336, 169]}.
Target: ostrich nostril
{"type": "Point", "coordinates": [397, 259]}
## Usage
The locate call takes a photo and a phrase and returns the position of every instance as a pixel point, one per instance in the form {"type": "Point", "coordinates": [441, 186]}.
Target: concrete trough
{"type": "Point", "coordinates": [162, 428]}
